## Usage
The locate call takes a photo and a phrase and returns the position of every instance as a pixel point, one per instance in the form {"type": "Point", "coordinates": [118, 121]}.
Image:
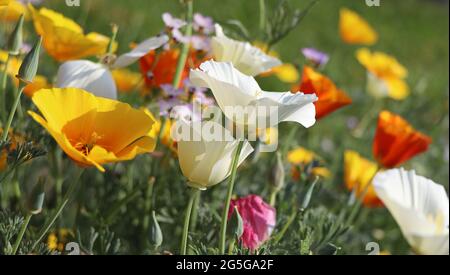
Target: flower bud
{"type": "Point", "coordinates": [156, 236]}
{"type": "Point", "coordinates": [29, 66]}
{"type": "Point", "coordinates": [36, 199]}
{"type": "Point", "coordinates": [15, 40]}
{"type": "Point", "coordinates": [236, 224]}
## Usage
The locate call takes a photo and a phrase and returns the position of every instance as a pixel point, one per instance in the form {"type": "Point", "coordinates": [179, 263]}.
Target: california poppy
{"type": "Point", "coordinates": [354, 29]}
{"type": "Point", "coordinates": [396, 141]}
{"type": "Point", "coordinates": [330, 97]}
{"type": "Point", "coordinates": [63, 39]}
{"type": "Point", "coordinates": [96, 130]}
{"type": "Point", "coordinates": [358, 175]}
{"type": "Point", "coordinates": [300, 158]}
{"type": "Point", "coordinates": [385, 74]}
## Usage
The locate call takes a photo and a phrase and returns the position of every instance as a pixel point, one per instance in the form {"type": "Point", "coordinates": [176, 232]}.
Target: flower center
{"type": "Point", "coordinates": [85, 146]}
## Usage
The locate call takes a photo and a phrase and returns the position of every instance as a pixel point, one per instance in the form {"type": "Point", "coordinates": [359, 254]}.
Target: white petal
{"type": "Point", "coordinates": [87, 75]}
{"type": "Point", "coordinates": [207, 163]}
{"type": "Point", "coordinates": [296, 107]}
{"type": "Point", "coordinates": [245, 57]}
{"type": "Point", "coordinates": [430, 244]}
{"type": "Point", "coordinates": [420, 207]}
{"type": "Point", "coordinates": [140, 50]}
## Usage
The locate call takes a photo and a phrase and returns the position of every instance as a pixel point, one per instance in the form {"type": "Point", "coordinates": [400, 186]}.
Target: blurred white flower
{"type": "Point", "coordinates": [420, 207]}
{"type": "Point", "coordinates": [231, 88]}
{"type": "Point", "coordinates": [246, 58]}
{"type": "Point", "coordinates": [97, 78]}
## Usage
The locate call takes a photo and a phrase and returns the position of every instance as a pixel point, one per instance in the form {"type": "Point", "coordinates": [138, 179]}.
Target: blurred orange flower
{"type": "Point", "coordinates": [95, 130]}
{"type": "Point", "coordinates": [396, 141]}
{"type": "Point", "coordinates": [10, 11]}
{"type": "Point", "coordinates": [159, 68]}
{"type": "Point", "coordinates": [39, 82]}
{"type": "Point", "coordinates": [126, 80]}
{"type": "Point", "coordinates": [358, 175]}
{"type": "Point", "coordinates": [330, 97]}
{"type": "Point", "coordinates": [14, 140]}
{"type": "Point", "coordinates": [354, 29]}
{"type": "Point", "coordinates": [386, 74]}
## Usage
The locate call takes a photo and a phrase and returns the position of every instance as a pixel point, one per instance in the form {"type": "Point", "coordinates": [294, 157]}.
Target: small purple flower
{"type": "Point", "coordinates": [315, 56]}
{"type": "Point", "coordinates": [179, 37]}
{"type": "Point", "coordinates": [172, 22]}
{"type": "Point", "coordinates": [171, 91]}
{"type": "Point", "coordinates": [166, 105]}
{"type": "Point", "coordinates": [203, 24]}
{"type": "Point", "coordinates": [185, 112]}
{"type": "Point", "coordinates": [201, 43]}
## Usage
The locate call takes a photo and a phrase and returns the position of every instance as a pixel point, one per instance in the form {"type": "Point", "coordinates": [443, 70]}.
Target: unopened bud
{"type": "Point", "coordinates": [278, 174]}
{"type": "Point", "coordinates": [156, 236]}
{"type": "Point", "coordinates": [236, 224]}
{"type": "Point", "coordinates": [36, 199]}
{"type": "Point", "coordinates": [15, 40]}
{"type": "Point", "coordinates": [30, 64]}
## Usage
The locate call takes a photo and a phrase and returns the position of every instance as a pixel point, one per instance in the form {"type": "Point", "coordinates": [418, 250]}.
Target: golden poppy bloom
{"type": "Point", "coordinates": [386, 69]}
{"type": "Point", "coordinates": [165, 137]}
{"type": "Point", "coordinates": [58, 239]}
{"type": "Point", "coordinates": [354, 29]}
{"type": "Point", "coordinates": [358, 175]}
{"type": "Point", "coordinates": [126, 80]}
{"type": "Point", "coordinates": [303, 157]}
{"type": "Point", "coordinates": [39, 82]}
{"type": "Point", "coordinates": [93, 130]}
{"type": "Point", "coordinates": [396, 141]}
{"type": "Point", "coordinates": [13, 67]}
{"type": "Point", "coordinates": [10, 11]}
{"type": "Point", "coordinates": [330, 97]}
{"type": "Point", "coordinates": [285, 72]}
{"type": "Point", "coordinates": [64, 39]}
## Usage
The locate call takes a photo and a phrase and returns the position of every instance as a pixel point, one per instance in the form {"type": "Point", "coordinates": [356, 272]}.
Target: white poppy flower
{"type": "Point", "coordinates": [245, 57]}
{"type": "Point", "coordinates": [419, 206]}
{"type": "Point", "coordinates": [207, 162]}
{"type": "Point", "coordinates": [232, 88]}
{"type": "Point", "coordinates": [97, 78]}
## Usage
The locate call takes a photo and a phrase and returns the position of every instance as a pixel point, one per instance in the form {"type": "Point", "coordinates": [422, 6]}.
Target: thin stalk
{"type": "Point", "coordinates": [223, 227]}
{"type": "Point", "coordinates": [185, 48]}
{"type": "Point", "coordinates": [23, 228]}
{"type": "Point", "coordinates": [187, 218]}
{"type": "Point", "coordinates": [67, 197]}
{"type": "Point", "coordinates": [12, 112]}
{"type": "Point", "coordinates": [3, 90]}
{"type": "Point", "coordinates": [262, 16]}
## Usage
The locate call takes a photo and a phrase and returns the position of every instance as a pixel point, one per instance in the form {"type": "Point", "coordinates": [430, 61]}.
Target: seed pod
{"type": "Point", "coordinates": [15, 40]}
{"type": "Point", "coordinates": [156, 236]}
{"type": "Point", "coordinates": [30, 64]}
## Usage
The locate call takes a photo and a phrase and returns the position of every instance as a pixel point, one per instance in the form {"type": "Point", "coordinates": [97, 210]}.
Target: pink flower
{"type": "Point", "coordinates": [259, 220]}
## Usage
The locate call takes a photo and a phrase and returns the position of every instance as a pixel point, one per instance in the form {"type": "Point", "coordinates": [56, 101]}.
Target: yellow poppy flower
{"type": "Point", "coordinates": [355, 30]}
{"type": "Point", "coordinates": [10, 11]}
{"type": "Point", "coordinates": [304, 157]}
{"type": "Point", "coordinates": [14, 64]}
{"type": "Point", "coordinates": [93, 130]}
{"type": "Point", "coordinates": [39, 82]}
{"type": "Point", "coordinates": [358, 173]}
{"type": "Point", "coordinates": [387, 70]}
{"type": "Point", "coordinates": [4, 2]}
{"type": "Point", "coordinates": [126, 80]}
{"type": "Point", "coordinates": [64, 39]}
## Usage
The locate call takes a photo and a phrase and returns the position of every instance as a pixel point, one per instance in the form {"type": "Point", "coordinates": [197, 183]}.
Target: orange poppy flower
{"type": "Point", "coordinates": [160, 68]}
{"type": "Point", "coordinates": [396, 141]}
{"type": "Point", "coordinates": [330, 97]}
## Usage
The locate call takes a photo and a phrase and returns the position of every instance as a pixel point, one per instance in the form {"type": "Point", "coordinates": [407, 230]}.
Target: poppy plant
{"type": "Point", "coordinates": [396, 141]}
{"type": "Point", "coordinates": [330, 97]}
{"type": "Point", "coordinates": [96, 130]}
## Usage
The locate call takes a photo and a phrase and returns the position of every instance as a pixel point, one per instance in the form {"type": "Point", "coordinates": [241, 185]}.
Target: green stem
{"type": "Point", "coordinates": [73, 186]}
{"type": "Point", "coordinates": [187, 218]}
{"type": "Point", "coordinates": [3, 90]}
{"type": "Point", "coordinates": [12, 112]}
{"type": "Point", "coordinates": [23, 228]}
{"type": "Point", "coordinates": [367, 119]}
{"type": "Point", "coordinates": [273, 197]}
{"type": "Point", "coordinates": [223, 228]}
{"type": "Point", "coordinates": [185, 48]}
{"type": "Point", "coordinates": [262, 16]}
{"type": "Point", "coordinates": [286, 226]}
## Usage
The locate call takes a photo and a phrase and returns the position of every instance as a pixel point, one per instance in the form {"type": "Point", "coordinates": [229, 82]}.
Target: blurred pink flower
{"type": "Point", "coordinates": [172, 22]}
{"type": "Point", "coordinates": [259, 220]}
{"type": "Point", "coordinates": [203, 24]}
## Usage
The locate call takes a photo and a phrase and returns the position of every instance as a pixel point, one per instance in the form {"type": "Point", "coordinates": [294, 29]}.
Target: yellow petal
{"type": "Point", "coordinates": [287, 73]}
{"type": "Point", "coordinates": [11, 12]}
{"type": "Point", "coordinates": [300, 155]}
{"type": "Point", "coordinates": [355, 30]}
{"type": "Point", "coordinates": [398, 89]}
